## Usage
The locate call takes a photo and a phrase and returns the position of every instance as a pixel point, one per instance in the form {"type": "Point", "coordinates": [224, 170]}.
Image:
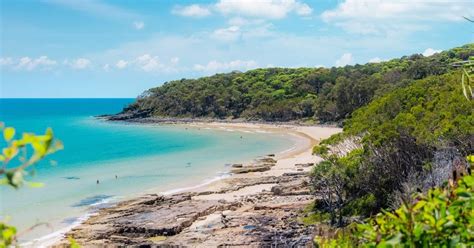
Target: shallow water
{"type": "Point", "coordinates": [125, 159]}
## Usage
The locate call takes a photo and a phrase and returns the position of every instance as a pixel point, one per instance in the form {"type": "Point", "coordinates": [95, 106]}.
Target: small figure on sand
{"type": "Point", "coordinates": [97, 181]}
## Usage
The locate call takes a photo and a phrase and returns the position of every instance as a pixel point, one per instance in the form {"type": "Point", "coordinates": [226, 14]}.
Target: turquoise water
{"type": "Point", "coordinates": [127, 159]}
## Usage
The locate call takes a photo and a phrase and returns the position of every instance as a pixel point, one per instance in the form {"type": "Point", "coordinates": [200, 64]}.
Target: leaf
{"type": "Point", "coordinates": [464, 194]}
{"type": "Point", "coordinates": [35, 184]}
{"type": "Point", "coordinates": [72, 242]}
{"type": "Point", "coordinates": [8, 133]}
{"type": "Point", "coordinates": [17, 178]}
{"type": "Point", "coordinates": [419, 205]}
{"type": "Point", "coordinates": [10, 152]}
{"type": "Point", "coordinates": [4, 181]}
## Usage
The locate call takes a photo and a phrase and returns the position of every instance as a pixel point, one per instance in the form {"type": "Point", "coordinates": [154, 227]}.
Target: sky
{"type": "Point", "coordinates": [104, 48]}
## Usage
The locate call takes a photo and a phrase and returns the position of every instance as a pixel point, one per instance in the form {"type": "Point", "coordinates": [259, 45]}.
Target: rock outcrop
{"type": "Point", "coordinates": [263, 219]}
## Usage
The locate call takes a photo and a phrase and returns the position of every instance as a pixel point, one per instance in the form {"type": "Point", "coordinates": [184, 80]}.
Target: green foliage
{"type": "Point", "coordinates": [16, 159]}
{"type": "Point", "coordinates": [444, 217]}
{"type": "Point", "coordinates": [7, 235]}
{"type": "Point", "coordinates": [320, 150]}
{"type": "Point", "coordinates": [333, 179]}
{"type": "Point", "coordinates": [15, 156]}
{"type": "Point", "coordinates": [400, 134]}
{"type": "Point", "coordinates": [429, 109]}
{"type": "Point", "coordinates": [73, 243]}
{"type": "Point", "coordinates": [284, 94]}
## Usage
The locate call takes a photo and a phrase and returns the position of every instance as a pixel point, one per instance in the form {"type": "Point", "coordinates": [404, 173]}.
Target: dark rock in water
{"type": "Point", "coordinates": [70, 221]}
{"type": "Point", "coordinates": [267, 160]}
{"type": "Point", "coordinates": [72, 178]}
{"type": "Point", "coordinates": [91, 200]}
{"type": "Point", "coordinates": [237, 165]}
{"type": "Point", "coordinates": [138, 114]}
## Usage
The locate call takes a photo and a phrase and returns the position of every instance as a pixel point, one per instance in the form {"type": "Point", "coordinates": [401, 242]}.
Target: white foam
{"type": "Point", "coordinates": [288, 150]}
{"type": "Point", "coordinates": [54, 237]}
{"type": "Point", "coordinates": [207, 182]}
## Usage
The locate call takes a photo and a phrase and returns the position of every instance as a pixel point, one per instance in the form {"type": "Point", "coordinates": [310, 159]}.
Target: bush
{"type": "Point", "coordinates": [444, 217]}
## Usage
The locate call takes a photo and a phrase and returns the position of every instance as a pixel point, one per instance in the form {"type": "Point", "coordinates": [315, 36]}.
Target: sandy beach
{"type": "Point", "coordinates": [224, 212]}
{"type": "Point", "coordinates": [301, 153]}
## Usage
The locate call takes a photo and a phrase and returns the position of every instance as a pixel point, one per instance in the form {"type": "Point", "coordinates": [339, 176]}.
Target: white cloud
{"type": "Point", "coordinates": [241, 28]}
{"type": "Point", "coordinates": [238, 21]}
{"type": "Point", "coordinates": [80, 63]}
{"type": "Point", "coordinates": [270, 9]}
{"type": "Point", "coordinates": [193, 10]}
{"type": "Point", "coordinates": [6, 61]}
{"type": "Point", "coordinates": [231, 33]}
{"type": "Point", "coordinates": [148, 63]}
{"type": "Point", "coordinates": [174, 60]}
{"type": "Point", "coordinates": [27, 63]}
{"type": "Point", "coordinates": [138, 25]}
{"type": "Point", "coordinates": [344, 60]}
{"type": "Point", "coordinates": [376, 60]}
{"type": "Point", "coordinates": [430, 51]}
{"type": "Point", "coordinates": [121, 64]}
{"type": "Point", "coordinates": [382, 16]}
{"type": "Point", "coordinates": [216, 66]}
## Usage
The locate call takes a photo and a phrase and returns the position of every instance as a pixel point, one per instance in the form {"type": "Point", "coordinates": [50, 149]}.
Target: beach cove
{"type": "Point", "coordinates": [128, 160]}
{"type": "Point", "coordinates": [241, 209]}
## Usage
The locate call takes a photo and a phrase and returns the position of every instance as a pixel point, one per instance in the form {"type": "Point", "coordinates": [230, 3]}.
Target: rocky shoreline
{"type": "Point", "coordinates": [265, 219]}
{"type": "Point", "coordinates": [145, 119]}
{"type": "Point", "coordinates": [260, 205]}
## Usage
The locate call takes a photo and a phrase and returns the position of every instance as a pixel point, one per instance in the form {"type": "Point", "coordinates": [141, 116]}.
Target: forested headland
{"type": "Point", "coordinates": [317, 95]}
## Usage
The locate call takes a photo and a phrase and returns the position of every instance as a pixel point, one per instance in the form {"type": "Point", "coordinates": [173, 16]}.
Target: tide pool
{"type": "Point", "coordinates": [126, 159]}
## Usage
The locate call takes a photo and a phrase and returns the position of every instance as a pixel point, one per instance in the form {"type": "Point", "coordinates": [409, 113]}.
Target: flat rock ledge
{"type": "Point", "coordinates": [259, 165]}
{"type": "Point", "coordinates": [197, 219]}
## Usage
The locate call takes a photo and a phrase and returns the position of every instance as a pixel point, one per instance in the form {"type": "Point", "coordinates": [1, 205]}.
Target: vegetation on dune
{"type": "Point", "coordinates": [444, 217]}
{"type": "Point", "coordinates": [408, 141]}
{"type": "Point", "coordinates": [283, 94]}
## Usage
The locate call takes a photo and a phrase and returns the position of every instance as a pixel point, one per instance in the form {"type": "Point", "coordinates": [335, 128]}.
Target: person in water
{"type": "Point", "coordinates": [97, 181]}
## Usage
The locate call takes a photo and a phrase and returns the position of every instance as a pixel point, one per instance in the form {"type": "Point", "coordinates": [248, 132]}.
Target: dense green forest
{"type": "Point", "coordinates": [407, 141]}
{"type": "Point", "coordinates": [284, 94]}
{"type": "Point", "coordinates": [405, 162]}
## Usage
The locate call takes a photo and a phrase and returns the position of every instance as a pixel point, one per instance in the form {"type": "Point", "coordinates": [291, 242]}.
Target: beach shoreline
{"type": "Point", "coordinates": [215, 190]}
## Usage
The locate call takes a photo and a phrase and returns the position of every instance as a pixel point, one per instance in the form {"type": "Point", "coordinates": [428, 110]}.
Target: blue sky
{"type": "Point", "coordinates": [99, 48]}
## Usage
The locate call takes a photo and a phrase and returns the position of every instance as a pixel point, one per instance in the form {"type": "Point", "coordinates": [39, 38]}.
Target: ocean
{"type": "Point", "coordinates": [126, 159]}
